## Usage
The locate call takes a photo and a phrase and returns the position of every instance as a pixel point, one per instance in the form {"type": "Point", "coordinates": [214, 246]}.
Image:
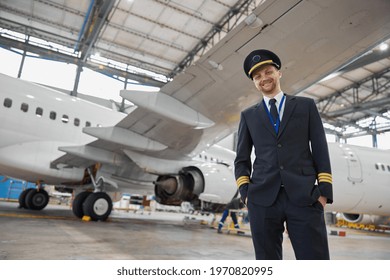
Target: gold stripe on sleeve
{"type": "Point", "coordinates": [242, 180]}
{"type": "Point", "coordinates": [325, 178]}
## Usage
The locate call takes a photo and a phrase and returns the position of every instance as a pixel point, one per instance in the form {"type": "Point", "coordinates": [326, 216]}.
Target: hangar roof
{"type": "Point", "coordinates": [355, 100]}
{"type": "Point", "coordinates": [150, 41]}
{"type": "Point", "coordinates": [159, 36]}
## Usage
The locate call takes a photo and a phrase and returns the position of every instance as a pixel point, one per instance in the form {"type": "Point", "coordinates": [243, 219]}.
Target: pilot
{"type": "Point", "coordinates": [290, 180]}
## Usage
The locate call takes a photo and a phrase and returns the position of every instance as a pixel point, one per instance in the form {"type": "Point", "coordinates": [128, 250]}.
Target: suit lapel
{"type": "Point", "coordinates": [289, 108]}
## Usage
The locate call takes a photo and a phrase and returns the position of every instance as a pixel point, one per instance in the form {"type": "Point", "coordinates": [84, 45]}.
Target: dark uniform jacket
{"type": "Point", "coordinates": [296, 158]}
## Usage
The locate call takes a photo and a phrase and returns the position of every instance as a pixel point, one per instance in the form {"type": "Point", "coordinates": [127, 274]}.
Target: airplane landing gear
{"type": "Point", "coordinates": [96, 205]}
{"type": "Point", "coordinates": [34, 199]}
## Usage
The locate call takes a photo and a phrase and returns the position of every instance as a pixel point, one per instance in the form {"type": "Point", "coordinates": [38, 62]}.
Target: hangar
{"type": "Point", "coordinates": [153, 42]}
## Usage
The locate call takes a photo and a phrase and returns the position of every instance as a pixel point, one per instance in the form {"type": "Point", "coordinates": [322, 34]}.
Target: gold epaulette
{"type": "Point", "coordinates": [242, 181]}
{"type": "Point", "coordinates": [325, 178]}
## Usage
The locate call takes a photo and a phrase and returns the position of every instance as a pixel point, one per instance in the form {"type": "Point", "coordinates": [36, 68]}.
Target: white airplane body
{"type": "Point", "coordinates": [30, 141]}
{"type": "Point", "coordinates": [32, 138]}
{"type": "Point", "coordinates": [158, 146]}
{"type": "Point", "coordinates": [361, 180]}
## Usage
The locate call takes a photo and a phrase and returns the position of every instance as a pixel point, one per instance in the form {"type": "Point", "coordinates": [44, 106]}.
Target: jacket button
{"type": "Point", "coordinates": [279, 145]}
{"type": "Point", "coordinates": [281, 167]}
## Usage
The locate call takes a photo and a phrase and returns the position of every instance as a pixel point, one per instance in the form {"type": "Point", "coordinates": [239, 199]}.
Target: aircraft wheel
{"type": "Point", "coordinates": [22, 198]}
{"type": "Point", "coordinates": [77, 205]}
{"type": "Point", "coordinates": [98, 206]}
{"type": "Point", "coordinates": [37, 199]}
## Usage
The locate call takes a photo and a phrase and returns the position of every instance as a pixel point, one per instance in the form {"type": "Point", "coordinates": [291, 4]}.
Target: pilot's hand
{"type": "Point", "coordinates": [323, 200]}
{"type": "Point", "coordinates": [244, 193]}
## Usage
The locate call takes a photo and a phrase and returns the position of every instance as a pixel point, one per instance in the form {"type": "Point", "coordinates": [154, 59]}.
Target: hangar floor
{"type": "Point", "coordinates": [55, 234]}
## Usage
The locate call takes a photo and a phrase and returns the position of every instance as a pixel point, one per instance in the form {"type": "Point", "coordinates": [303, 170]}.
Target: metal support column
{"type": "Point", "coordinates": [375, 133]}
{"type": "Point", "coordinates": [23, 57]}
{"type": "Point", "coordinates": [77, 80]}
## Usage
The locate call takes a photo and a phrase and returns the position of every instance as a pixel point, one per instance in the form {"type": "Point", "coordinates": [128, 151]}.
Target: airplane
{"type": "Point", "coordinates": [161, 146]}
{"type": "Point", "coordinates": [39, 124]}
{"type": "Point", "coordinates": [361, 180]}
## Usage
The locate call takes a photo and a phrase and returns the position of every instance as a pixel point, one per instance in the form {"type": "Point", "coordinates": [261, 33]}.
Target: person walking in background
{"type": "Point", "coordinates": [234, 204]}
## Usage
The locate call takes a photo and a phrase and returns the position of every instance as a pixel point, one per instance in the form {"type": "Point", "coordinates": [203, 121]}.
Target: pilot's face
{"type": "Point", "coordinates": [267, 80]}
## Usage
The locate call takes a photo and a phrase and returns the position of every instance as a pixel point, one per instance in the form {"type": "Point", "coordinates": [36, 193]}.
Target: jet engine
{"type": "Point", "coordinates": [213, 179]}
{"type": "Point", "coordinates": [365, 219]}
{"type": "Point", "coordinates": [185, 186]}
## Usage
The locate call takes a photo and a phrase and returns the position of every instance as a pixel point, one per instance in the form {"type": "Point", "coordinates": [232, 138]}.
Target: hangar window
{"type": "Point", "coordinates": [7, 103]}
{"type": "Point", "coordinates": [76, 122]}
{"type": "Point", "coordinates": [87, 124]}
{"type": "Point", "coordinates": [53, 115]}
{"type": "Point", "coordinates": [65, 118]}
{"type": "Point", "coordinates": [24, 107]}
{"type": "Point", "coordinates": [39, 112]}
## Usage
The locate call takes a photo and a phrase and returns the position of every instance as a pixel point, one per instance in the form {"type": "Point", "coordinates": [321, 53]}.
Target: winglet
{"type": "Point", "coordinates": [168, 107]}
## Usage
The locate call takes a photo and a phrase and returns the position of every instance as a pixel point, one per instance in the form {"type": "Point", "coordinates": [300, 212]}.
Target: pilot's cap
{"type": "Point", "coordinates": [258, 58]}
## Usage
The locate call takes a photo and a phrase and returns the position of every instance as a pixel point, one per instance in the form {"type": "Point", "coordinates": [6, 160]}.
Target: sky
{"type": "Point", "coordinates": [62, 75]}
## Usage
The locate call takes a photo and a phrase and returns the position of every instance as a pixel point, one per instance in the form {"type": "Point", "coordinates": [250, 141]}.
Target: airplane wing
{"type": "Point", "coordinates": [202, 105]}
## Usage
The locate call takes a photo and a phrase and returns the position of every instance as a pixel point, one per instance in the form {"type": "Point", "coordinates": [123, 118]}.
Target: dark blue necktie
{"type": "Point", "coordinates": [274, 111]}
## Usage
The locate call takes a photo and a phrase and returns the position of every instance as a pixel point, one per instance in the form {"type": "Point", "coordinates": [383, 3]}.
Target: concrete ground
{"type": "Point", "coordinates": [55, 234]}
